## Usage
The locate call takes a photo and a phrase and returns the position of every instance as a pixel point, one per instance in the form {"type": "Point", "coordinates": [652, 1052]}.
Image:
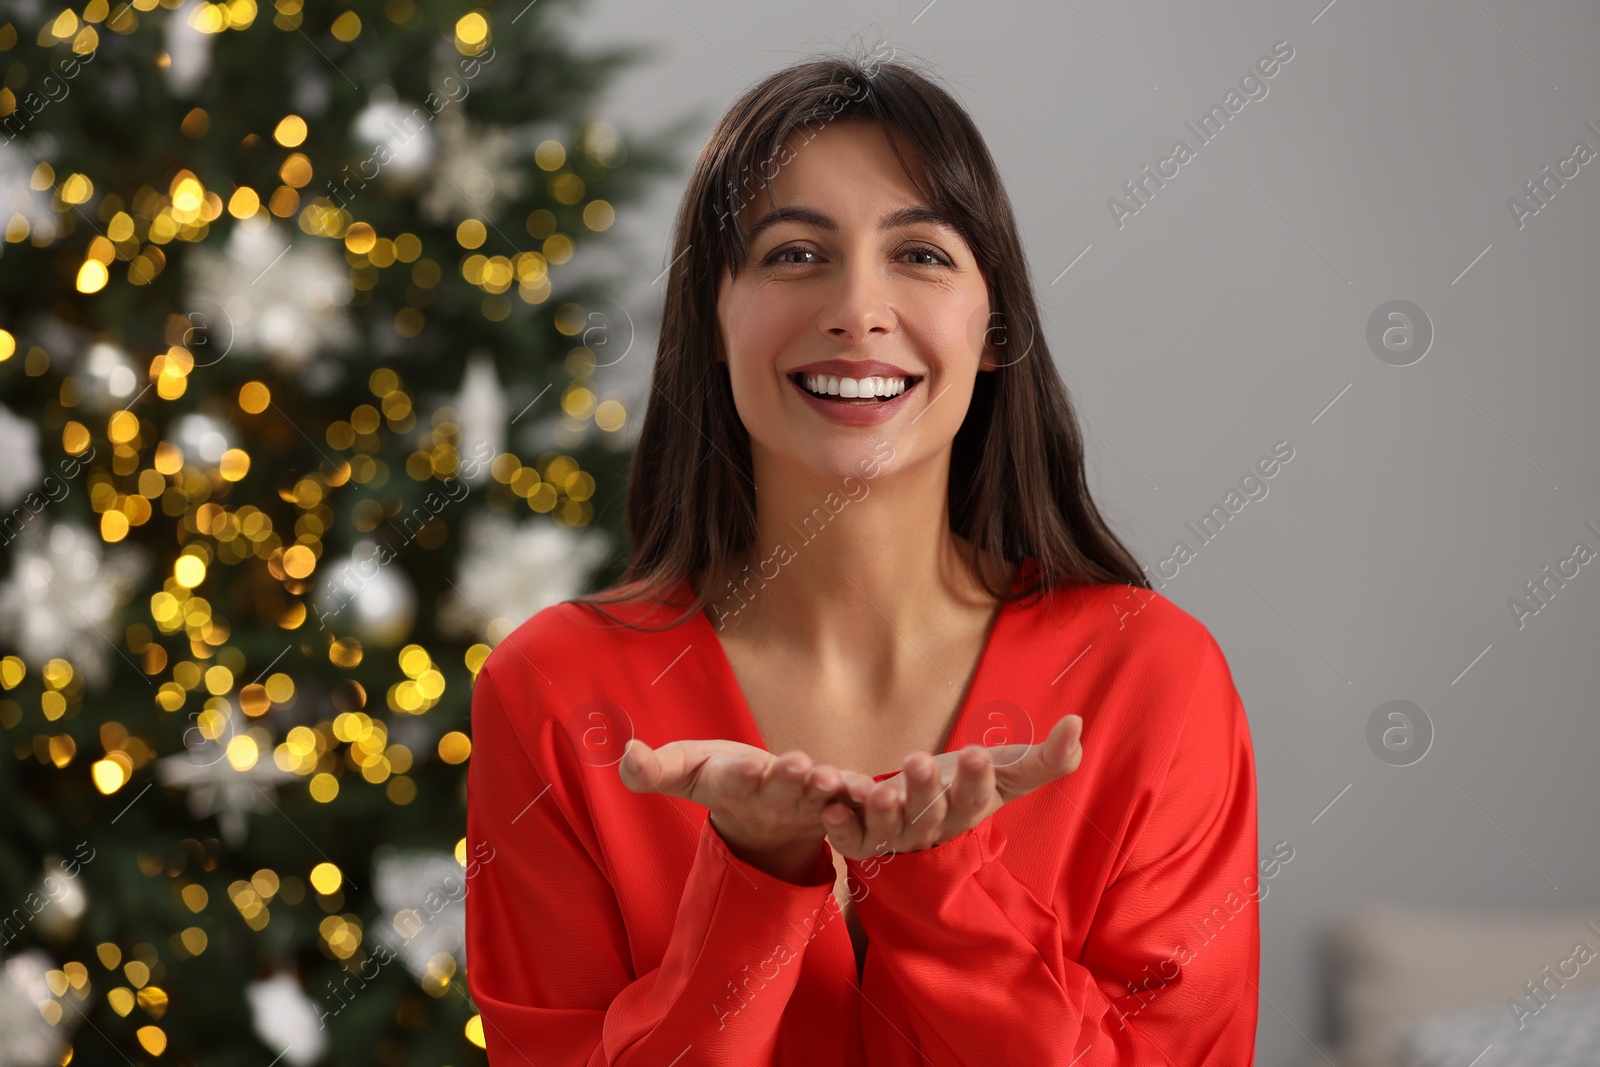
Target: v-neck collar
{"type": "Point", "coordinates": [722, 668]}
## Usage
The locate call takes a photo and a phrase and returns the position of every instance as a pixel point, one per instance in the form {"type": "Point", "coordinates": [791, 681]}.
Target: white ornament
{"type": "Point", "coordinates": [201, 438]}
{"type": "Point", "coordinates": [311, 88]}
{"type": "Point", "coordinates": [64, 901]}
{"type": "Point", "coordinates": [286, 300]}
{"type": "Point", "coordinates": [27, 1037]}
{"type": "Point", "coordinates": [509, 571]}
{"type": "Point", "coordinates": [63, 590]}
{"type": "Point", "coordinates": [108, 377]}
{"type": "Point", "coordinates": [188, 50]}
{"type": "Point", "coordinates": [477, 169]}
{"type": "Point", "coordinates": [423, 895]}
{"type": "Point", "coordinates": [481, 413]}
{"type": "Point", "coordinates": [17, 194]}
{"type": "Point", "coordinates": [364, 595]}
{"type": "Point", "coordinates": [285, 1019]}
{"type": "Point", "coordinates": [323, 375]}
{"type": "Point", "coordinates": [22, 470]}
{"type": "Point", "coordinates": [216, 788]}
{"type": "Point", "coordinates": [397, 138]}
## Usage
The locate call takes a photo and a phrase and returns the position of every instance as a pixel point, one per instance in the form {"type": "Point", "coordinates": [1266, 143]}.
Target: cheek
{"type": "Point", "coordinates": [758, 327]}
{"type": "Point", "coordinates": [953, 327]}
{"type": "Point", "coordinates": [751, 325]}
{"type": "Point", "coordinates": [752, 338]}
{"type": "Point", "coordinates": [982, 329]}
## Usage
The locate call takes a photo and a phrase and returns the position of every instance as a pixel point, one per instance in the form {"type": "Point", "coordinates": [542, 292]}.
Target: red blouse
{"type": "Point", "coordinates": [1107, 918]}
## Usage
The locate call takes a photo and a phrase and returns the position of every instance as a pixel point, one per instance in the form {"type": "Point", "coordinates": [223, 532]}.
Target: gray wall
{"type": "Point", "coordinates": [1230, 313]}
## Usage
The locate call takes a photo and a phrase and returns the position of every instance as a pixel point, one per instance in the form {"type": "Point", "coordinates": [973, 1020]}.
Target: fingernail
{"type": "Point", "coordinates": [628, 761]}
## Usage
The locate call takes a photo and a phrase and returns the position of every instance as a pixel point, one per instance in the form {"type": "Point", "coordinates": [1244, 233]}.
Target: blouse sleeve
{"type": "Point", "coordinates": [549, 962]}
{"type": "Point", "coordinates": [971, 966]}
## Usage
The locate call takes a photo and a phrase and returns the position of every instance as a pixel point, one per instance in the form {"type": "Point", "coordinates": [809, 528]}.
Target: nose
{"type": "Point", "coordinates": [858, 304]}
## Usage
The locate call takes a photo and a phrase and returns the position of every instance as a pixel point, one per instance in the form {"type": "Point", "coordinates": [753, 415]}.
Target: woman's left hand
{"type": "Point", "coordinates": [939, 797]}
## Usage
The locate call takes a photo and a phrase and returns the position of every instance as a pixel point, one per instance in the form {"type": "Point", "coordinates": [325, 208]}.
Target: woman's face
{"type": "Point", "coordinates": [848, 291]}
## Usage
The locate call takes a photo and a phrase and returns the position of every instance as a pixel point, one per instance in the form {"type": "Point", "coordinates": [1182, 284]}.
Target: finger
{"type": "Point", "coordinates": [885, 814]}
{"type": "Point", "coordinates": [640, 767]}
{"type": "Point", "coordinates": [733, 778]}
{"type": "Point", "coordinates": [858, 786]}
{"type": "Point", "coordinates": [1061, 751]}
{"type": "Point", "coordinates": [1057, 755]}
{"type": "Point", "coordinates": [824, 784]}
{"type": "Point", "coordinates": [925, 799]}
{"type": "Point", "coordinates": [673, 769]}
{"type": "Point", "coordinates": [784, 784]}
{"type": "Point", "coordinates": [973, 794]}
{"type": "Point", "coordinates": [845, 829]}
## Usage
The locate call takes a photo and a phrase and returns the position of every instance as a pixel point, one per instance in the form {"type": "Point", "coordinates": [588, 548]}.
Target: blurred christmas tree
{"type": "Point", "coordinates": [303, 329]}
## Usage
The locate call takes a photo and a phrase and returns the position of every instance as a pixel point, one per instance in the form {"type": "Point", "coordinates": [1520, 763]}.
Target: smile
{"type": "Point", "coordinates": [855, 391]}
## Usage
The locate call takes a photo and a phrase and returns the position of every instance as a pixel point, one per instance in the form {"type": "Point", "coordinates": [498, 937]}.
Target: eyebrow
{"type": "Point", "coordinates": [898, 219]}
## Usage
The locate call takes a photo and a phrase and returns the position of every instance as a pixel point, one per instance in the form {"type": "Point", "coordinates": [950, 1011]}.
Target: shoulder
{"type": "Point", "coordinates": [1150, 669]}
{"type": "Point", "coordinates": [1129, 652]}
{"type": "Point", "coordinates": [573, 638]}
{"type": "Point", "coordinates": [1157, 646]}
{"type": "Point", "coordinates": [1134, 623]}
{"type": "Point", "coordinates": [572, 686]}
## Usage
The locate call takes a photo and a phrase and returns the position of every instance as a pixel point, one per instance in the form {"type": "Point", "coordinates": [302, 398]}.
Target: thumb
{"type": "Point", "coordinates": [1057, 755]}
{"type": "Point", "coordinates": [640, 768]}
{"type": "Point", "coordinates": [673, 769]}
{"type": "Point", "coordinates": [1061, 750]}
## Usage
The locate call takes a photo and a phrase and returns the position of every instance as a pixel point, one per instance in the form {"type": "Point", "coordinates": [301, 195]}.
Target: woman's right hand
{"type": "Point", "coordinates": [768, 809]}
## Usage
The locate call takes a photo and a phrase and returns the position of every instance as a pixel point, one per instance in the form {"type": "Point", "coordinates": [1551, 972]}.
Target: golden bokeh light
{"type": "Point", "coordinates": [189, 571]}
{"type": "Point", "coordinates": [347, 27]}
{"type": "Point", "coordinates": [360, 238]}
{"type": "Point", "coordinates": [326, 878]}
{"type": "Point", "coordinates": [92, 276]}
{"type": "Point", "coordinates": [234, 465]}
{"type": "Point", "coordinates": [472, 32]}
{"type": "Point", "coordinates": [455, 747]}
{"type": "Point", "coordinates": [254, 397]}
{"type": "Point", "coordinates": [242, 752]}
{"type": "Point", "coordinates": [290, 132]}
{"type": "Point", "coordinates": [299, 561]}
{"type": "Point", "coordinates": [244, 202]}
{"type": "Point", "coordinates": [153, 1038]}
{"type": "Point", "coordinates": [108, 775]}
{"type": "Point", "coordinates": [550, 155]}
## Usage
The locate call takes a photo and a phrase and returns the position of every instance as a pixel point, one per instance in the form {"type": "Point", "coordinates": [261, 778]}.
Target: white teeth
{"type": "Point", "coordinates": [833, 385]}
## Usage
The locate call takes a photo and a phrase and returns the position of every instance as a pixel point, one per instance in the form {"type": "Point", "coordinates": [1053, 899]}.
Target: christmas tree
{"type": "Point", "coordinates": [304, 337]}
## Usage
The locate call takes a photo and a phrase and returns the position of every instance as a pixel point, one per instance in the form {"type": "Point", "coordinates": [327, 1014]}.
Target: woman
{"type": "Point", "coordinates": [862, 544]}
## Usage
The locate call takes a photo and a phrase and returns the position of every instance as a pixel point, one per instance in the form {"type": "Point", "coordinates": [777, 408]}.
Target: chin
{"type": "Point", "coordinates": [843, 466]}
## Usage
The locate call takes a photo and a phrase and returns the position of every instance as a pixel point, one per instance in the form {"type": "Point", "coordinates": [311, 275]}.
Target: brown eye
{"type": "Point", "coordinates": [792, 249]}
{"type": "Point", "coordinates": [924, 250]}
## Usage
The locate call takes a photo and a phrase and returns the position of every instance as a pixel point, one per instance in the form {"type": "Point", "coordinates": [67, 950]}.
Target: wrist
{"type": "Point", "coordinates": [793, 860]}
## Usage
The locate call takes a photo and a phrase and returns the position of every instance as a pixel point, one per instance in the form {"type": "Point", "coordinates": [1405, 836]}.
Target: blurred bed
{"type": "Point", "coordinates": [1425, 987]}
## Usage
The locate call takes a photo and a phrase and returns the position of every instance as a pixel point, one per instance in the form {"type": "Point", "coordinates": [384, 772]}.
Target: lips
{"type": "Point", "coordinates": [854, 412]}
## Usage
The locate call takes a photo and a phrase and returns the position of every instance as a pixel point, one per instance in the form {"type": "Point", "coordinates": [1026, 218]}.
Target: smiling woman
{"type": "Point", "coordinates": [684, 810]}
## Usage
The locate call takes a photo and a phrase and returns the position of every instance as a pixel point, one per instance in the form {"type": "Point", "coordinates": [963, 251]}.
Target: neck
{"type": "Point", "coordinates": [850, 566]}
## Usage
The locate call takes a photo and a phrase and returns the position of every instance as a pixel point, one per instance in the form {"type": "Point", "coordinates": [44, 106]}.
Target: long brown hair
{"type": "Point", "coordinates": [1017, 485]}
